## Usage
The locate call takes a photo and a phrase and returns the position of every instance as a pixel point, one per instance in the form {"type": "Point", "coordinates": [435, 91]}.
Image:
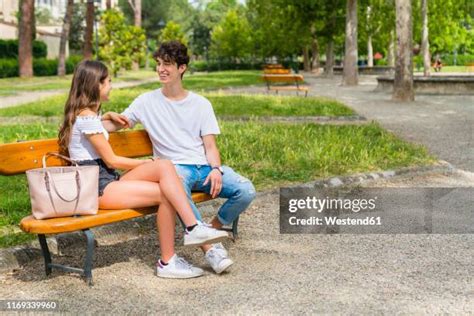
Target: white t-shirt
{"type": "Point", "coordinates": [175, 127]}
{"type": "Point", "coordinates": [79, 146]}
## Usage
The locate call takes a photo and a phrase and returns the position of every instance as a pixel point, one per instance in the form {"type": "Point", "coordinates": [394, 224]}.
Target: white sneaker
{"type": "Point", "coordinates": [218, 258]}
{"type": "Point", "coordinates": [203, 234]}
{"type": "Point", "coordinates": [177, 268]}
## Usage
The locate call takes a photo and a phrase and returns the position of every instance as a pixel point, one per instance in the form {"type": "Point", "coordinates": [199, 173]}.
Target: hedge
{"type": "Point", "coordinates": [41, 66]}
{"type": "Point", "coordinates": [9, 49]}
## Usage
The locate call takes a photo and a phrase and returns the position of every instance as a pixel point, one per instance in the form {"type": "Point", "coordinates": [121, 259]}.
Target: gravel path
{"type": "Point", "coordinates": [297, 274]}
{"type": "Point", "coordinates": [275, 273]}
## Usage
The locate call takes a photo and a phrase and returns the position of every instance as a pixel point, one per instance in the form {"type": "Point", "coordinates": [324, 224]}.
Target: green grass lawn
{"type": "Point", "coordinates": [11, 86]}
{"type": "Point", "coordinates": [196, 81]}
{"type": "Point", "coordinates": [450, 69]}
{"type": "Point", "coordinates": [224, 105]}
{"type": "Point", "coordinates": [271, 155]}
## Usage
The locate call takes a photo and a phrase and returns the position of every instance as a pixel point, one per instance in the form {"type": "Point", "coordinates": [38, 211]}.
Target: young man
{"type": "Point", "coordinates": [183, 128]}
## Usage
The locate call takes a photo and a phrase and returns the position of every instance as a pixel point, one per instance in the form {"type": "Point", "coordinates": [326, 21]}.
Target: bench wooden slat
{"type": "Point", "coordinates": [283, 78]}
{"type": "Point", "coordinates": [18, 157]}
{"type": "Point", "coordinates": [69, 224]}
{"type": "Point", "coordinates": [277, 71]}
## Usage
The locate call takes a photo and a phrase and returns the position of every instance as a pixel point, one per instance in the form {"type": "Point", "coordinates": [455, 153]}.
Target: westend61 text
{"type": "Point", "coordinates": [317, 204]}
{"type": "Point", "coordinates": [333, 220]}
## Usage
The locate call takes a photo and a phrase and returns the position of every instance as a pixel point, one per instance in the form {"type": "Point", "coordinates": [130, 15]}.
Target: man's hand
{"type": "Point", "coordinates": [215, 178]}
{"type": "Point", "coordinates": [116, 118]}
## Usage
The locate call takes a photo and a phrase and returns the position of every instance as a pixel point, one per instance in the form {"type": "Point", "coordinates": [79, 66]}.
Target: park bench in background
{"type": "Point", "coordinates": [470, 67]}
{"type": "Point", "coordinates": [273, 66]}
{"type": "Point", "coordinates": [274, 82]}
{"type": "Point", "coordinates": [276, 71]}
{"type": "Point", "coordinates": [16, 158]}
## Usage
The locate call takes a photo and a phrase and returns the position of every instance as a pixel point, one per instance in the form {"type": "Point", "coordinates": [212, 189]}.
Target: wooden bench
{"type": "Point", "coordinates": [16, 158]}
{"type": "Point", "coordinates": [273, 66]}
{"type": "Point", "coordinates": [470, 67]}
{"type": "Point", "coordinates": [276, 71]}
{"type": "Point", "coordinates": [294, 79]}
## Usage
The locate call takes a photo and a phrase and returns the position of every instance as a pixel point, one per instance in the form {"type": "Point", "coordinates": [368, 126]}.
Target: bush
{"type": "Point", "coordinates": [9, 49]}
{"type": "Point", "coordinates": [45, 67]}
{"type": "Point", "coordinates": [8, 68]}
{"type": "Point", "coordinates": [461, 60]}
{"type": "Point", "coordinates": [217, 65]}
{"type": "Point", "coordinates": [41, 66]}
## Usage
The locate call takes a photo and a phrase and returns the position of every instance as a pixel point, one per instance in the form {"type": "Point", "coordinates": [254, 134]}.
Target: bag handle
{"type": "Point", "coordinates": [48, 179]}
{"type": "Point", "coordinates": [49, 154]}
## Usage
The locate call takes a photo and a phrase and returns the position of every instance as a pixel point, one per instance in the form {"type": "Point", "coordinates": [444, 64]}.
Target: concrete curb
{"type": "Point", "coordinates": [298, 119]}
{"type": "Point", "coordinates": [13, 258]}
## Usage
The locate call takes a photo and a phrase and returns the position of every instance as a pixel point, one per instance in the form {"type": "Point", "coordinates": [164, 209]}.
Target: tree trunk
{"type": "Point", "coordinates": [350, 73]}
{"type": "Point", "coordinates": [25, 38]}
{"type": "Point", "coordinates": [425, 44]}
{"type": "Point", "coordinates": [315, 56]}
{"type": "Point", "coordinates": [306, 62]}
{"type": "Point", "coordinates": [108, 4]}
{"type": "Point", "coordinates": [329, 67]}
{"type": "Point", "coordinates": [64, 37]}
{"type": "Point", "coordinates": [370, 52]}
{"type": "Point", "coordinates": [391, 51]}
{"type": "Point", "coordinates": [87, 52]}
{"type": "Point", "coordinates": [137, 14]}
{"type": "Point", "coordinates": [403, 83]}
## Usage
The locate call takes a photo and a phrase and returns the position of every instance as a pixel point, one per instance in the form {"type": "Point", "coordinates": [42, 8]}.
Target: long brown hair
{"type": "Point", "coordinates": [84, 94]}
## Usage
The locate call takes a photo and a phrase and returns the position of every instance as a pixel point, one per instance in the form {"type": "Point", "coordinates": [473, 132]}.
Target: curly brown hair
{"type": "Point", "coordinates": [174, 52]}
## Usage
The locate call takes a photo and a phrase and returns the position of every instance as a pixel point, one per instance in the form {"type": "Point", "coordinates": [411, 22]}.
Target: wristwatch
{"type": "Point", "coordinates": [220, 169]}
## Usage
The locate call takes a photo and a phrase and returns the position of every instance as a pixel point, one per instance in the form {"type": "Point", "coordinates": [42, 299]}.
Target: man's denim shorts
{"type": "Point", "coordinates": [106, 174]}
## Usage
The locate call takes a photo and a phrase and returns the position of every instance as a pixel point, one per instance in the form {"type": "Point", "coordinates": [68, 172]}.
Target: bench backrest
{"type": "Point", "coordinates": [273, 66]}
{"type": "Point", "coordinates": [16, 158]}
{"type": "Point", "coordinates": [276, 71]}
{"type": "Point", "coordinates": [289, 78]}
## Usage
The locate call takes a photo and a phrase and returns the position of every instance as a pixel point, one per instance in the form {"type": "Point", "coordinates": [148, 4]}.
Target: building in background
{"type": "Point", "coordinates": [49, 32]}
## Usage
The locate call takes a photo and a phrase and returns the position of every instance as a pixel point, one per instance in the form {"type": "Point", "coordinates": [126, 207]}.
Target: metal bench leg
{"type": "Point", "coordinates": [46, 254]}
{"type": "Point", "coordinates": [89, 256]}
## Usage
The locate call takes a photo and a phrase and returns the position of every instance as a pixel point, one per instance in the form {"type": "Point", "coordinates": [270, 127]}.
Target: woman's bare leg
{"type": "Point", "coordinates": [143, 194]}
{"type": "Point", "coordinates": [166, 223]}
{"type": "Point", "coordinates": [164, 172]}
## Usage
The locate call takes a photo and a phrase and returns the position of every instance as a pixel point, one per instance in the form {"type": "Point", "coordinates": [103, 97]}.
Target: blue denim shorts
{"type": "Point", "coordinates": [106, 174]}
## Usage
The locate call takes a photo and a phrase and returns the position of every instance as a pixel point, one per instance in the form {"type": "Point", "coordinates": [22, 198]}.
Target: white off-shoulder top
{"type": "Point", "coordinates": [79, 146]}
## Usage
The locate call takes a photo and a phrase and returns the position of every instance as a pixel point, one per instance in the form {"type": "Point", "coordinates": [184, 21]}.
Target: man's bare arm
{"type": "Point", "coordinates": [212, 152]}
{"type": "Point", "coordinates": [214, 159]}
{"type": "Point", "coordinates": [113, 121]}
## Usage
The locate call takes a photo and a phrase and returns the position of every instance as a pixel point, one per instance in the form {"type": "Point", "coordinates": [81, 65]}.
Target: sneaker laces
{"type": "Point", "coordinates": [183, 263]}
{"type": "Point", "coordinates": [218, 251]}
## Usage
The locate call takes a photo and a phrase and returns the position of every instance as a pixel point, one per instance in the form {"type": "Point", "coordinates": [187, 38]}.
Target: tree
{"type": "Point", "coordinates": [120, 43]}
{"type": "Point", "coordinates": [25, 38]}
{"type": "Point", "coordinates": [231, 37]}
{"type": "Point", "coordinates": [425, 44]}
{"type": "Point", "coordinates": [172, 32]}
{"type": "Point", "coordinates": [90, 11]}
{"type": "Point", "coordinates": [64, 37]}
{"type": "Point", "coordinates": [136, 6]}
{"type": "Point", "coordinates": [350, 72]}
{"type": "Point", "coordinates": [76, 32]}
{"type": "Point", "coordinates": [403, 82]}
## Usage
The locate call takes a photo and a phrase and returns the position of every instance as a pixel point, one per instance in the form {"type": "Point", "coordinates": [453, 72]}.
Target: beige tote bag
{"type": "Point", "coordinates": [63, 191]}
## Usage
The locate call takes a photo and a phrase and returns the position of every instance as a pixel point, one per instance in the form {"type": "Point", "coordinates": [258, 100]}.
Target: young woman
{"type": "Point", "coordinates": [146, 183]}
